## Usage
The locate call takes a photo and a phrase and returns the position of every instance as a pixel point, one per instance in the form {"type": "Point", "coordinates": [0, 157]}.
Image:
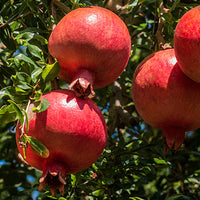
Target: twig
{"type": "Point", "coordinates": [58, 4]}
{"type": "Point", "coordinates": [62, 6]}
{"type": "Point", "coordinates": [27, 108]}
{"type": "Point", "coordinates": [159, 36]}
{"type": "Point", "coordinates": [15, 19]}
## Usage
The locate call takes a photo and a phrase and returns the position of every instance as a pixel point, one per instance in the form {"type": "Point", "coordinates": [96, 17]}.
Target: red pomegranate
{"type": "Point", "coordinates": [187, 43]}
{"type": "Point", "coordinates": [166, 98]}
{"type": "Point", "coordinates": [92, 45]}
{"type": "Point", "coordinates": [74, 132]}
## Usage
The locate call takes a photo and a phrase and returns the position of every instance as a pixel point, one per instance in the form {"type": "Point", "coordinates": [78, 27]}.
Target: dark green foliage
{"type": "Point", "coordinates": [133, 165]}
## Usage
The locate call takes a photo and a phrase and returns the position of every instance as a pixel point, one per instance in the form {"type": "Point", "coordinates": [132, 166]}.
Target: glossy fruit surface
{"type": "Point", "coordinates": [187, 43]}
{"type": "Point", "coordinates": [74, 132]}
{"type": "Point", "coordinates": [92, 45]}
{"type": "Point", "coordinates": [166, 98]}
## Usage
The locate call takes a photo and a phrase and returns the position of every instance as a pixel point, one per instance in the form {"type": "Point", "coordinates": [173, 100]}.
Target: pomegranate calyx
{"type": "Point", "coordinates": [54, 178]}
{"type": "Point", "coordinates": [82, 84]}
{"type": "Point", "coordinates": [81, 88]}
{"type": "Point", "coordinates": [173, 138]}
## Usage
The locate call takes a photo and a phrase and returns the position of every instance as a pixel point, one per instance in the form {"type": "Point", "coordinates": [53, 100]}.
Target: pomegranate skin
{"type": "Point", "coordinates": [91, 43]}
{"type": "Point", "coordinates": [73, 130]}
{"type": "Point", "coordinates": [187, 43]}
{"type": "Point", "coordinates": [166, 98]}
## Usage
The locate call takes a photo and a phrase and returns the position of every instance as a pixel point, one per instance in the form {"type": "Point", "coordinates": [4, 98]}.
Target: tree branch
{"type": "Point", "coordinates": [159, 35]}
{"type": "Point", "coordinates": [58, 4]}
{"type": "Point", "coordinates": [15, 19]}
{"type": "Point", "coordinates": [118, 115]}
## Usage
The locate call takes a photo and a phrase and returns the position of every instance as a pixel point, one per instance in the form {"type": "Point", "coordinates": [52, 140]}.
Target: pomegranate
{"type": "Point", "coordinates": [187, 43]}
{"type": "Point", "coordinates": [166, 98]}
{"type": "Point", "coordinates": [74, 132]}
{"type": "Point", "coordinates": [92, 46]}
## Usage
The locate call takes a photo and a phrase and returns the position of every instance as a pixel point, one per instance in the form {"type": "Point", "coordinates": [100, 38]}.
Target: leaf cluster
{"type": "Point", "coordinates": [132, 165]}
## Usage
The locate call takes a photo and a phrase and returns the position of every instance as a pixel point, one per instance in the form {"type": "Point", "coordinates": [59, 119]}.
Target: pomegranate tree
{"type": "Point", "coordinates": [92, 46]}
{"type": "Point", "coordinates": [166, 98]}
{"type": "Point", "coordinates": [74, 132]}
{"type": "Point", "coordinates": [187, 43]}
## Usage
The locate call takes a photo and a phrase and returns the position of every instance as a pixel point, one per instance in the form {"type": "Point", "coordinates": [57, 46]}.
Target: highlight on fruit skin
{"type": "Point", "coordinates": [74, 132]}
{"type": "Point", "coordinates": [92, 45]}
{"type": "Point", "coordinates": [187, 43]}
{"type": "Point", "coordinates": [166, 98]}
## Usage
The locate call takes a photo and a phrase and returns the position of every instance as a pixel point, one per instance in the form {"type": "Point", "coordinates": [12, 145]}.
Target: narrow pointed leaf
{"type": "Point", "coordinates": [17, 110]}
{"type": "Point", "coordinates": [160, 161]}
{"type": "Point", "coordinates": [23, 140]}
{"type": "Point", "coordinates": [38, 147]}
{"type": "Point", "coordinates": [26, 119]}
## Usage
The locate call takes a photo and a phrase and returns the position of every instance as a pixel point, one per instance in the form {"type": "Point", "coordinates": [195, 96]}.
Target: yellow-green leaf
{"type": "Point", "coordinates": [50, 72]}
{"type": "Point", "coordinates": [38, 147]}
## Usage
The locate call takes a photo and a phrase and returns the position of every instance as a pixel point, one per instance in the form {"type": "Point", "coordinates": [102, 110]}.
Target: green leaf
{"type": "Point", "coordinates": [98, 192]}
{"type": "Point", "coordinates": [7, 114]}
{"type": "Point", "coordinates": [21, 56]}
{"type": "Point", "coordinates": [50, 72]}
{"type": "Point", "coordinates": [37, 146]}
{"type": "Point", "coordinates": [23, 140]}
{"type": "Point", "coordinates": [36, 74]}
{"type": "Point", "coordinates": [35, 51]}
{"type": "Point", "coordinates": [22, 80]}
{"type": "Point", "coordinates": [109, 180]}
{"type": "Point", "coordinates": [26, 34]}
{"type": "Point", "coordinates": [14, 93]}
{"type": "Point", "coordinates": [136, 198]}
{"type": "Point", "coordinates": [24, 86]}
{"type": "Point", "coordinates": [62, 198]}
{"type": "Point", "coordinates": [41, 105]}
{"type": "Point", "coordinates": [160, 161]}
{"type": "Point", "coordinates": [8, 92]}
{"type": "Point", "coordinates": [22, 76]}
{"type": "Point", "coordinates": [41, 39]}
{"type": "Point", "coordinates": [17, 109]}
{"type": "Point", "coordinates": [37, 95]}
{"type": "Point", "coordinates": [174, 197]}
{"type": "Point", "coordinates": [26, 120]}
{"type": "Point", "coordinates": [73, 180]}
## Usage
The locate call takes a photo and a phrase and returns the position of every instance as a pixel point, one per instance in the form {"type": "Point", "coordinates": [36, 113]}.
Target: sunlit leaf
{"type": "Point", "coordinates": [38, 147]}
{"type": "Point", "coordinates": [36, 74]}
{"type": "Point", "coordinates": [41, 106]}
{"type": "Point", "coordinates": [23, 145]}
{"type": "Point", "coordinates": [25, 58]}
{"type": "Point", "coordinates": [136, 198]}
{"type": "Point", "coordinates": [37, 95]}
{"type": "Point", "coordinates": [50, 72]}
{"type": "Point", "coordinates": [26, 120]}
{"type": "Point", "coordinates": [160, 161]}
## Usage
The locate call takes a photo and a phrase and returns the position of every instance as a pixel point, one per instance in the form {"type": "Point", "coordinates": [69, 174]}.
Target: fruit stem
{"type": "Point", "coordinates": [173, 138]}
{"type": "Point", "coordinates": [82, 84]}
